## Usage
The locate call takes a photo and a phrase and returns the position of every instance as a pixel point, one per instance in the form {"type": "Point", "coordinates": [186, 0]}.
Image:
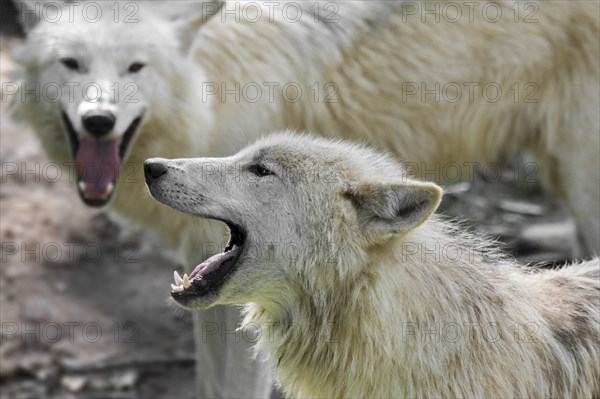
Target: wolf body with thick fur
{"type": "Point", "coordinates": [360, 292]}
{"type": "Point", "coordinates": [436, 90]}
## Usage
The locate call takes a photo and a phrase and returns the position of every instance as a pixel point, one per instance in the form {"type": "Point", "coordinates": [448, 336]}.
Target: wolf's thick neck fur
{"type": "Point", "coordinates": [436, 313]}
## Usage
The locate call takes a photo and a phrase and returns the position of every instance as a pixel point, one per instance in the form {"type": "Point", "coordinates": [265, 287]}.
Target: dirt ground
{"type": "Point", "coordinates": [84, 308]}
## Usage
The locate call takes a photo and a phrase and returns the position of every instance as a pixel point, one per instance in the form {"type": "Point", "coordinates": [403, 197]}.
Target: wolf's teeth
{"type": "Point", "coordinates": [176, 288]}
{"type": "Point", "coordinates": [109, 189]}
{"type": "Point", "coordinates": [234, 247]}
{"type": "Point", "coordinates": [186, 281]}
{"type": "Point", "coordinates": [178, 279]}
{"type": "Point", "coordinates": [81, 185]}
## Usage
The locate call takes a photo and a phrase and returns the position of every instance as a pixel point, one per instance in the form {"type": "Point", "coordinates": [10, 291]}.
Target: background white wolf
{"type": "Point", "coordinates": [359, 69]}
{"type": "Point", "coordinates": [370, 302]}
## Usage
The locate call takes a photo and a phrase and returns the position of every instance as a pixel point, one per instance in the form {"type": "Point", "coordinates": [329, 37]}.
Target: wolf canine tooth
{"type": "Point", "coordinates": [177, 277]}
{"type": "Point", "coordinates": [81, 185]}
{"type": "Point", "coordinates": [186, 281]}
{"type": "Point", "coordinates": [109, 189]}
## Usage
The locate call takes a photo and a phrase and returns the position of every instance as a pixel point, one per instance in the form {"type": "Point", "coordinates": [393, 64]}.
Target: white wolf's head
{"type": "Point", "coordinates": [94, 73]}
{"type": "Point", "coordinates": [303, 213]}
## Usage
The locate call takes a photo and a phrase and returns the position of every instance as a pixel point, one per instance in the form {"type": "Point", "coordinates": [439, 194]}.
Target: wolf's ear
{"type": "Point", "coordinates": [189, 17]}
{"type": "Point", "coordinates": [385, 210]}
{"type": "Point", "coordinates": [29, 13]}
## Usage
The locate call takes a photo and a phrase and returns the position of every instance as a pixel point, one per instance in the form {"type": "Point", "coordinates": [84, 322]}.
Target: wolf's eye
{"type": "Point", "coordinates": [136, 67]}
{"type": "Point", "coordinates": [70, 63]}
{"type": "Point", "coordinates": [260, 170]}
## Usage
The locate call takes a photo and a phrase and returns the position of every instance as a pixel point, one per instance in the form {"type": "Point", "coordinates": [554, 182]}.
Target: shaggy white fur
{"type": "Point", "coordinates": [379, 299]}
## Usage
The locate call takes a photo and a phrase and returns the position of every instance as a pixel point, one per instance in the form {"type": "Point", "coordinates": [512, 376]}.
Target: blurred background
{"type": "Point", "coordinates": [83, 295]}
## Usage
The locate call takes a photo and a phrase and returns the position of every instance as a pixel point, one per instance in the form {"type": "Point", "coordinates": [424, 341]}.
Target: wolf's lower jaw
{"type": "Point", "coordinates": [82, 187]}
{"type": "Point", "coordinates": [210, 274]}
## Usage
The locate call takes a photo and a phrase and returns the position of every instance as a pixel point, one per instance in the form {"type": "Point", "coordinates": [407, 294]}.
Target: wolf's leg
{"type": "Point", "coordinates": [576, 151]}
{"type": "Point", "coordinates": [224, 368]}
{"type": "Point", "coordinates": [581, 181]}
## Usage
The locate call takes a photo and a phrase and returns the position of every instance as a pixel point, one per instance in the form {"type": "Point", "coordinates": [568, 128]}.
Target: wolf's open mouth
{"type": "Point", "coordinates": [98, 162]}
{"type": "Point", "coordinates": [211, 273]}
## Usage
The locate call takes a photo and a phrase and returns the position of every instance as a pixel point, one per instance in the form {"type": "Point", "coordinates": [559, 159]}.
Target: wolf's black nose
{"type": "Point", "coordinates": [99, 123]}
{"type": "Point", "coordinates": [153, 170]}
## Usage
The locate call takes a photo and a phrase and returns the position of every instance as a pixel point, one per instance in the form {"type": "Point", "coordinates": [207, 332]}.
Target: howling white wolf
{"type": "Point", "coordinates": [107, 85]}
{"type": "Point", "coordinates": [358, 292]}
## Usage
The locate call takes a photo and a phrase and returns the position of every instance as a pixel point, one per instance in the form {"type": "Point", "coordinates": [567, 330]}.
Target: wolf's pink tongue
{"type": "Point", "coordinates": [97, 164]}
{"type": "Point", "coordinates": [211, 264]}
